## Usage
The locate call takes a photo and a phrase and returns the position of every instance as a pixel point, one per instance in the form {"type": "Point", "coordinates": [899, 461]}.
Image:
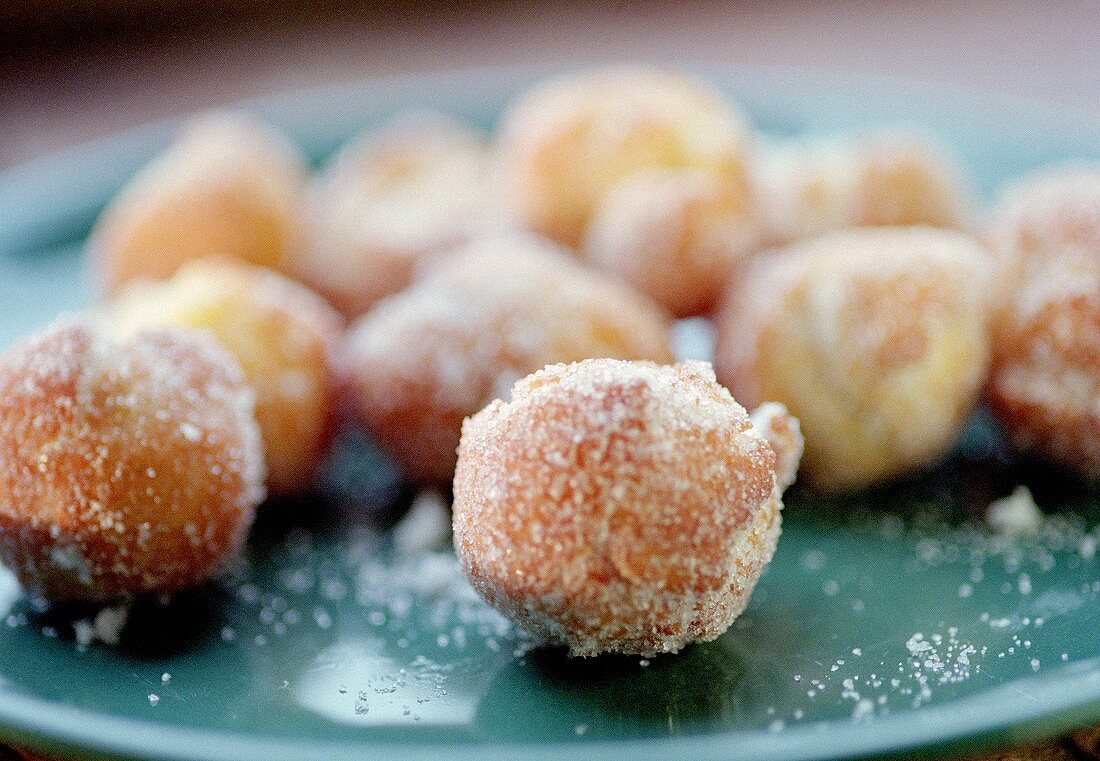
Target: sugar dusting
{"type": "Point", "coordinates": [922, 667]}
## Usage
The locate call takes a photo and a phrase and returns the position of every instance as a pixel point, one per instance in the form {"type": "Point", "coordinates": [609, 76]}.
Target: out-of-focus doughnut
{"type": "Point", "coordinates": [415, 187]}
{"type": "Point", "coordinates": [287, 339]}
{"type": "Point", "coordinates": [1045, 386]}
{"type": "Point", "coordinates": [228, 186]}
{"type": "Point", "coordinates": [565, 143]}
{"type": "Point", "coordinates": [876, 339]}
{"type": "Point", "coordinates": [426, 358]}
{"type": "Point", "coordinates": [807, 187]}
{"type": "Point", "coordinates": [672, 234]}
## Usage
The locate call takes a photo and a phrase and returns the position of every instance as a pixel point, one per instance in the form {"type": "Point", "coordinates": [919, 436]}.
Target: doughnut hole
{"type": "Point", "coordinates": [565, 143]}
{"type": "Point", "coordinates": [285, 337]}
{"type": "Point", "coordinates": [426, 358]}
{"type": "Point", "coordinates": [227, 186]}
{"type": "Point", "coordinates": [808, 187]}
{"type": "Point", "coordinates": [1045, 385]}
{"type": "Point", "coordinates": [875, 339]}
{"type": "Point", "coordinates": [616, 507]}
{"type": "Point", "coordinates": [672, 234]}
{"type": "Point", "coordinates": [415, 187]}
{"type": "Point", "coordinates": [127, 465]}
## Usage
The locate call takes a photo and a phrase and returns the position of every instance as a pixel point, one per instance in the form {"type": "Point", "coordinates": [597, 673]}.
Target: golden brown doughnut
{"type": "Point", "coordinates": [504, 306]}
{"type": "Point", "coordinates": [874, 338]}
{"type": "Point", "coordinates": [617, 506]}
{"type": "Point", "coordinates": [126, 465]}
{"type": "Point", "coordinates": [286, 338]}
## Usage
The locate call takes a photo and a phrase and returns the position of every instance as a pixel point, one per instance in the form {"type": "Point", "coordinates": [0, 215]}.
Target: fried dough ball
{"type": "Point", "coordinates": [808, 187]}
{"type": "Point", "coordinates": [287, 339]}
{"type": "Point", "coordinates": [504, 306]}
{"type": "Point", "coordinates": [228, 186]}
{"type": "Point", "coordinates": [617, 506]}
{"type": "Point", "coordinates": [415, 187]}
{"type": "Point", "coordinates": [672, 234]}
{"type": "Point", "coordinates": [564, 144]}
{"type": "Point", "coordinates": [127, 465]}
{"type": "Point", "coordinates": [876, 339]}
{"type": "Point", "coordinates": [1045, 386]}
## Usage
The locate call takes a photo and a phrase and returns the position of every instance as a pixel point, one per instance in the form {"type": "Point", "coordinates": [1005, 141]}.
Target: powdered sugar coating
{"type": "Point", "coordinates": [504, 306]}
{"type": "Point", "coordinates": [228, 186]}
{"type": "Point", "coordinates": [566, 142]}
{"type": "Point", "coordinates": [1045, 386]}
{"type": "Point", "coordinates": [103, 493]}
{"type": "Point", "coordinates": [287, 339]}
{"type": "Point", "coordinates": [414, 187]}
{"type": "Point", "coordinates": [616, 506]}
{"type": "Point", "coordinates": [672, 234]}
{"type": "Point", "coordinates": [808, 187]}
{"type": "Point", "coordinates": [876, 339]}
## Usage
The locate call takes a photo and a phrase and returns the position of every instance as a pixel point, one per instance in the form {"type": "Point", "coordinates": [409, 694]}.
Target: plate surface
{"type": "Point", "coordinates": [889, 622]}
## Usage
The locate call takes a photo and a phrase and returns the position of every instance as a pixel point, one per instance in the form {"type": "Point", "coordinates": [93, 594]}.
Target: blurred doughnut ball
{"type": "Point", "coordinates": [286, 338]}
{"type": "Point", "coordinates": [672, 234]}
{"type": "Point", "coordinates": [228, 186]}
{"type": "Point", "coordinates": [415, 187]}
{"type": "Point", "coordinates": [502, 307]}
{"type": "Point", "coordinates": [876, 339]}
{"type": "Point", "coordinates": [566, 142]}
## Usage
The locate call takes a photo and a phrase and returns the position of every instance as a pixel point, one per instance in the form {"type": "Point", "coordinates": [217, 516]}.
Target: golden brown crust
{"type": "Point", "coordinates": [876, 339]}
{"type": "Point", "coordinates": [616, 506]}
{"type": "Point", "coordinates": [287, 339]}
{"type": "Point", "coordinates": [563, 144]}
{"type": "Point", "coordinates": [127, 467]}
{"type": "Point", "coordinates": [228, 186]}
{"type": "Point", "coordinates": [423, 360]}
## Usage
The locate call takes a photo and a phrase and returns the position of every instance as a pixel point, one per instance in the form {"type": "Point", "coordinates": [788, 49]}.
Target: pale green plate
{"type": "Point", "coordinates": [887, 623]}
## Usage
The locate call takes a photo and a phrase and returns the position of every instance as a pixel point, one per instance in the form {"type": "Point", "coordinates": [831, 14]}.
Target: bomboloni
{"type": "Point", "coordinates": [502, 307]}
{"type": "Point", "coordinates": [876, 339]}
{"type": "Point", "coordinates": [621, 507]}
{"type": "Point", "coordinates": [127, 466]}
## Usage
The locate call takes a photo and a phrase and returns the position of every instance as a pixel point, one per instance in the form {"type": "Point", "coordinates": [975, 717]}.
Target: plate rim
{"type": "Point", "coordinates": [1063, 697]}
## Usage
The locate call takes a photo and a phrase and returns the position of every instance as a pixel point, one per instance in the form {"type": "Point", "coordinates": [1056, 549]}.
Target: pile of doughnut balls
{"type": "Point", "coordinates": [496, 314]}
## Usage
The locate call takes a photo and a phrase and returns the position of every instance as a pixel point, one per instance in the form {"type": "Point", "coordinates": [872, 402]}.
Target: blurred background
{"type": "Point", "coordinates": [73, 70]}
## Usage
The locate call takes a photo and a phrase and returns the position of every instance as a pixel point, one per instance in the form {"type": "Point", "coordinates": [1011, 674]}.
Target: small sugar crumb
{"type": "Point", "coordinates": [153, 699]}
{"type": "Point", "coordinates": [1015, 515]}
{"type": "Point", "coordinates": [166, 677]}
{"type": "Point", "coordinates": [427, 525]}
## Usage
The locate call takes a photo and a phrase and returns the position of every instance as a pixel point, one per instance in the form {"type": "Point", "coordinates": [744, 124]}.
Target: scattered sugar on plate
{"type": "Point", "coordinates": [105, 627]}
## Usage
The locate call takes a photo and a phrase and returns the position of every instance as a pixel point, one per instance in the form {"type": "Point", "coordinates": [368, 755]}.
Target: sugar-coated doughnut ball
{"type": "Point", "coordinates": [565, 143]}
{"type": "Point", "coordinates": [228, 186]}
{"type": "Point", "coordinates": [504, 306]}
{"type": "Point", "coordinates": [1045, 386]}
{"type": "Point", "coordinates": [807, 187]}
{"type": "Point", "coordinates": [672, 234]}
{"type": "Point", "coordinates": [618, 507]}
{"type": "Point", "coordinates": [415, 187]}
{"type": "Point", "coordinates": [286, 338]}
{"type": "Point", "coordinates": [876, 339]}
{"type": "Point", "coordinates": [127, 465]}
